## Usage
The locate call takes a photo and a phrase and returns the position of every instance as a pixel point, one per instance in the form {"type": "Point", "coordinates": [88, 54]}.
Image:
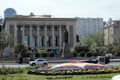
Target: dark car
{"type": "Point", "coordinates": [98, 59]}
{"type": "Point", "coordinates": [91, 61]}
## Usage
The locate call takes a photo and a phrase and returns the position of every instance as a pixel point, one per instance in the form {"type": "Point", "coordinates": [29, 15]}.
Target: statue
{"type": "Point", "coordinates": [65, 36]}
{"type": "Point", "coordinates": [66, 46]}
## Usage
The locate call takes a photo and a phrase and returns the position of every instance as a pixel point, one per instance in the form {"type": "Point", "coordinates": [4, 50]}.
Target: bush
{"type": "Point", "coordinates": [44, 55]}
{"type": "Point", "coordinates": [5, 71]}
{"type": "Point", "coordinates": [60, 51]}
{"type": "Point", "coordinates": [73, 52]}
{"type": "Point", "coordinates": [51, 54]}
{"type": "Point", "coordinates": [95, 54]}
{"type": "Point", "coordinates": [82, 54]}
{"type": "Point", "coordinates": [42, 52]}
{"type": "Point", "coordinates": [89, 54]}
{"type": "Point", "coordinates": [37, 55]}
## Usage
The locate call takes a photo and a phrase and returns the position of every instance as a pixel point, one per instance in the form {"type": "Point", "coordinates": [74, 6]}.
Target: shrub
{"type": "Point", "coordinates": [44, 55]}
{"type": "Point", "coordinates": [42, 52]}
{"type": "Point", "coordinates": [4, 71]}
{"type": "Point", "coordinates": [51, 54]}
{"type": "Point", "coordinates": [73, 52]}
{"type": "Point", "coordinates": [82, 54]}
{"type": "Point", "coordinates": [37, 55]}
{"type": "Point", "coordinates": [89, 54]}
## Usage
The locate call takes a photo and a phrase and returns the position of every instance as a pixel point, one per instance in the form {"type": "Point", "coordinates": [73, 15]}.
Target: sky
{"type": "Point", "coordinates": [65, 8]}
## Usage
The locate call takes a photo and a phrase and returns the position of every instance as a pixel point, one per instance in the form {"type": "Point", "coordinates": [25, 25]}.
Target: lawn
{"type": "Point", "coordinates": [26, 76]}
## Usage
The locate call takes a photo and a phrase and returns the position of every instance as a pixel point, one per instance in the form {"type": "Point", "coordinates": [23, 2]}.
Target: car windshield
{"type": "Point", "coordinates": [40, 60]}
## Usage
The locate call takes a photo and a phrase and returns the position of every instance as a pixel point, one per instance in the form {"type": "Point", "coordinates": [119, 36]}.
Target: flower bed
{"type": "Point", "coordinates": [75, 72]}
{"type": "Point", "coordinates": [75, 68]}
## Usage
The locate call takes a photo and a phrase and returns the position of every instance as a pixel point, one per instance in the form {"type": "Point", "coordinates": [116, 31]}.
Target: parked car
{"type": "Point", "coordinates": [38, 62]}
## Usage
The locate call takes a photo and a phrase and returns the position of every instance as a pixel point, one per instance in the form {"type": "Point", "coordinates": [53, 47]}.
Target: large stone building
{"type": "Point", "coordinates": [41, 32]}
{"type": "Point", "coordinates": [86, 26]}
{"type": "Point", "coordinates": [112, 32]}
{"type": "Point", "coordinates": [1, 23]}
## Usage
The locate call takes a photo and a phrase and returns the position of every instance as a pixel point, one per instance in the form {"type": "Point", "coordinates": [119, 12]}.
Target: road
{"type": "Point", "coordinates": [16, 65]}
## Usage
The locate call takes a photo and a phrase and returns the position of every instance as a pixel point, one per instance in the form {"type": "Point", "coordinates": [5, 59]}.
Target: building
{"type": "Point", "coordinates": [9, 12]}
{"type": "Point", "coordinates": [112, 32]}
{"type": "Point", "coordinates": [1, 23]}
{"type": "Point", "coordinates": [41, 32]}
{"type": "Point", "coordinates": [86, 26]}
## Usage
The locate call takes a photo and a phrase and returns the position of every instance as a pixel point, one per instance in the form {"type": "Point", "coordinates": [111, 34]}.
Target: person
{"type": "Point", "coordinates": [65, 36]}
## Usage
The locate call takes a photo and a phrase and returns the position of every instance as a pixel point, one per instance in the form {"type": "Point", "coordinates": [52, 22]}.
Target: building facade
{"type": "Point", "coordinates": [41, 33]}
{"type": "Point", "coordinates": [86, 26]}
{"type": "Point", "coordinates": [112, 32]}
{"type": "Point", "coordinates": [1, 23]}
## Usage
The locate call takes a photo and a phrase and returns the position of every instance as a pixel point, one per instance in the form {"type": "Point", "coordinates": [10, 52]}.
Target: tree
{"type": "Point", "coordinates": [116, 50]}
{"type": "Point", "coordinates": [80, 47]}
{"type": "Point", "coordinates": [21, 51]}
{"type": "Point", "coordinates": [5, 39]}
{"type": "Point", "coordinates": [93, 40]}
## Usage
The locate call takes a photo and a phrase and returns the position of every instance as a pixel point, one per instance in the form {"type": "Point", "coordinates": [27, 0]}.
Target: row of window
{"type": "Point", "coordinates": [42, 41]}
{"type": "Point", "coordinates": [41, 27]}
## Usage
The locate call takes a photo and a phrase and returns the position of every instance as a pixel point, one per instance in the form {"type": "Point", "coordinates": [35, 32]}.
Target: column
{"type": "Point", "coordinates": [53, 36]}
{"type": "Point", "coordinates": [15, 35]}
{"type": "Point", "coordinates": [60, 40]}
{"type": "Point", "coordinates": [45, 36]}
{"type": "Point", "coordinates": [22, 30]}
{"type": "Point", "coordinates": [38, 36]}
{"type": "Point", "coordinates": [30, 39]}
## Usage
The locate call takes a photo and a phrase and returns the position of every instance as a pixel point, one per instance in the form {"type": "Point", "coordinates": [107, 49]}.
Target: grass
{"type": "Point", "coordinates": [26, 76]}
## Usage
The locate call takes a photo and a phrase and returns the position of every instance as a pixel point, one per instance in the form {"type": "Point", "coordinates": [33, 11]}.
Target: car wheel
{"type": "Point", "coordinates": [33, 64]}
{"type": "Point", "coordinates": [45, 64]}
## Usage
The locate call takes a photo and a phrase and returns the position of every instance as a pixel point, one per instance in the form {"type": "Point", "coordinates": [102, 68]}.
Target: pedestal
{"type": "Point", "coordinates": [66, 51]}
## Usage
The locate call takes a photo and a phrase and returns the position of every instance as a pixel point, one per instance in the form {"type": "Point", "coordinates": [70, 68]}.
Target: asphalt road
{"type": "Point", "coordinates": [16, 65]}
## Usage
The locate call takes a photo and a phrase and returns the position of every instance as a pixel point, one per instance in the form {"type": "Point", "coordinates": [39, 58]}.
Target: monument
{"type": "Point", "coordinates": [66, 47]}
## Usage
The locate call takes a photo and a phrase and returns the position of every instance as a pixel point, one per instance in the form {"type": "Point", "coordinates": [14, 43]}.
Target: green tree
{"type": "Point", "coordinates": [21, 51]}
{"type": "Point", "coordinates": [80, 47]}
{"type": "Point", "coordinates": [116, 50]}
{"type": "Point", "coordinates": [93, 40]}
{"type": "Point", "coordinates": [5, 39]}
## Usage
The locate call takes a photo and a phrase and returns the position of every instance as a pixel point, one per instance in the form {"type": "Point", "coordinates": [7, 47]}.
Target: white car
{"type": "Point", "coordinates": [38, 62]}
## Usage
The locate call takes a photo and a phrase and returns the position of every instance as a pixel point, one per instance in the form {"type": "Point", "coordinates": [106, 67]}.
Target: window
{"type": "Point", "coordinates": [34, 27]}
{"type": "Point", "coordinates": [56, 28]}
{"type": "Point", "coordinates": [56, 41]}
{"type": "Point", "coordinates": [26, 40]}
{"type": "Point", "coordinates": [63, 27]}
{"type": "Point", "coordinates": [19, 27]}
{"type": "Point", "coordinates": [49, 41]}
{"type": "Point", "coordinates": [33, 41]}
{"type": "Point", "coordinates": [42, 41]}
{"type": "Point", "coordinates": [26, 27]}
{"type": "Point", "coordinates": [41, 28]}
{"type": "Point", "coordinates": [48, 27]}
